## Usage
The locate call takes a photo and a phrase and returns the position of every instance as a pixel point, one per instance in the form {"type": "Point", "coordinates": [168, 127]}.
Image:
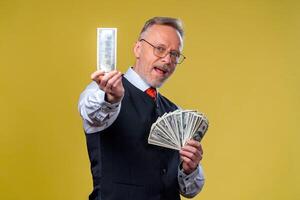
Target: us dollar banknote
{"type": "Point", "coordinates": [172, 130]}
{"type": "Point", "coordinates": [106, 49]}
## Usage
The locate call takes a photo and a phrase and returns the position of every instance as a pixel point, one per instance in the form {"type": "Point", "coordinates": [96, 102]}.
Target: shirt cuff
{"type": "Point", "coordinates": [97, 113]}
{"type": "Point", "coordinates": [107, 107]}
{"type": "Point", "coordinates": [190, 184]}
{"type": "Point", "coordinates": [187, 177]}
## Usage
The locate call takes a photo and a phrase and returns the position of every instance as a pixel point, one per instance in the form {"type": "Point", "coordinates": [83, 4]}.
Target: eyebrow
{"type": "Point", "coordinates": [160, 44]}
{"type": "Point", "coordinates": [163, 45]}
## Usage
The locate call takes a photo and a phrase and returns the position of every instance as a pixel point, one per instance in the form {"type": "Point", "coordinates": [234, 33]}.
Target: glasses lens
{"type": "Point", "coordinates": [180, 59]}
{"type": "Point", "coordinates": [159, 51]}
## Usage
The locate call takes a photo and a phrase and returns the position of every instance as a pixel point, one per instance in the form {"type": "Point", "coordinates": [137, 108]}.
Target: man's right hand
{"type": "Point", "coordinates": [111, 84]}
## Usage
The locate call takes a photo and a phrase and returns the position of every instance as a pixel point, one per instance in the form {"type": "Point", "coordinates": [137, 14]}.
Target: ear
{"type": "Point", "coordinates": [137, 49]}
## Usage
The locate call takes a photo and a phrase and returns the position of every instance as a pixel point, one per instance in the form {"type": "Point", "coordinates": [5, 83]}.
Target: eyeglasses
{"type": "Point", "coordinates": [160, 51]}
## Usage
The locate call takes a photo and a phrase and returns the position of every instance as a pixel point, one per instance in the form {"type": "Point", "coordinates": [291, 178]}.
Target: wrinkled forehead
{"type": "Point", "coordinates": [165, 35]}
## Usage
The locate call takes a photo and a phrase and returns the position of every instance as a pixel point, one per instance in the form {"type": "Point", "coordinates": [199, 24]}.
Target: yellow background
{"type": "Point", "coordinates": [242, 70]}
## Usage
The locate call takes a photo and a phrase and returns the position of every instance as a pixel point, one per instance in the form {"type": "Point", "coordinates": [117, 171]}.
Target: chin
{"type": "Point", "coordinates": [157, 84]}
{"type": "Point", "coordinates": [156, 81]}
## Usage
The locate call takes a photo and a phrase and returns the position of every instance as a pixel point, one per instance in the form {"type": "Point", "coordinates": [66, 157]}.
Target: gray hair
{"type": "Point", "coordinates": [167, 21]}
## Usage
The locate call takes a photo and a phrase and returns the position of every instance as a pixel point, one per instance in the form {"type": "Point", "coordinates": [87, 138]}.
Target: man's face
{"type": "Point", "coordinates": [153, 69]}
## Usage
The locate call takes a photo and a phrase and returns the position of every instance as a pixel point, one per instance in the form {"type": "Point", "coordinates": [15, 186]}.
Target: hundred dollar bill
{"type": "Point", "coordinates": [172, 130]}
{"type": "Point", "coordinates": [106, 49]}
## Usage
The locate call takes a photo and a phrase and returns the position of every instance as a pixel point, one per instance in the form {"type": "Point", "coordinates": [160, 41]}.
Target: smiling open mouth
{"type": "Point", "coordinates": [160, 70]}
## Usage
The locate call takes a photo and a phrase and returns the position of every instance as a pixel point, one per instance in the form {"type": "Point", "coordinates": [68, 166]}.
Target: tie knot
{"type": "Point", "coordinates": [152, 93]}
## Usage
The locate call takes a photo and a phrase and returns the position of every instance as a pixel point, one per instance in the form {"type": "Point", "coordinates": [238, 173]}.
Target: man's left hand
{"type": "Point", "coordinates": [191, 155]}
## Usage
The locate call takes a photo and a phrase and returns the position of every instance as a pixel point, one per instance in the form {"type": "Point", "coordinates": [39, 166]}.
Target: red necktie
{"type": "Point", "coordinates": [151, 92]}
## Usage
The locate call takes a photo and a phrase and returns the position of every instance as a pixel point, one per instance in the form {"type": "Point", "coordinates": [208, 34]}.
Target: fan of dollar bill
{"type": "Point", "coordinates": [174, 129]}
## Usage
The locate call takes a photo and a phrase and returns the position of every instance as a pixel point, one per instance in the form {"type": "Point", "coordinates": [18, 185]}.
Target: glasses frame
{"type": "Point", "coordinates": [156, 47]}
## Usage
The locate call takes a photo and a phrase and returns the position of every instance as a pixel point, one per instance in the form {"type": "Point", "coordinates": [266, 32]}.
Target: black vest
{"type": "Point", "coordinates": [124, 166]}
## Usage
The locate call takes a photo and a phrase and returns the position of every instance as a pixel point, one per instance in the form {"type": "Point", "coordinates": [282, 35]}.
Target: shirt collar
{"type": "Point", "coordinates": [136, 80]}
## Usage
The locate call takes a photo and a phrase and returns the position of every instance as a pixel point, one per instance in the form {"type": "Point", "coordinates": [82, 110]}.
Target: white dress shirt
{"type": "Point", "coordinates": [97, 115]}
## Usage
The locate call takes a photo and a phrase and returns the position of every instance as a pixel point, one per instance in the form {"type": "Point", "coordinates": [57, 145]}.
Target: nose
{"type": "Point", "coordinates": [167, 58]}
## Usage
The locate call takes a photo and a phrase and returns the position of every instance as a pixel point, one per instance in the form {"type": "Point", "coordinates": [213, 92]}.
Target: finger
{"type": "Point", "coordinates": [194, 143]}
{"type": "Point", "coordinates": [118, 88]}
{"type": "Point", "coordinates": [105, 78]}
{"type": "Point", "coordinates": [192, 152]}
{"type": "Point", "coordinates": [201, 150]}
{"type": "Point", "coordinates": [188, 164]}
{"type": "Point", "coordinates": [96, 74]}
{"type": "Point", "coordinates": [118, 82]}
{"type": "Point", "coordinates": [190, 149]}
{"type": "Point", "coordinates": [112, 80]}
{"type": "Point", "coordinates": [195, 160]}
{"type": "Point", "coordinates": [195, 156]}
{"type": "Point", "coordinates": [187, 154]}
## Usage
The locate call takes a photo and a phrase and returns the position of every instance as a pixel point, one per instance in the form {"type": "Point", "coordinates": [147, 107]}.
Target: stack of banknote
{"type": "Point", "coordinates": [174, 129]}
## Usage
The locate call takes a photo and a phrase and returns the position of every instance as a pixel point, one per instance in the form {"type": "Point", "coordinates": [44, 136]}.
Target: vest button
{"type": "Point", "coordinates": [164, 171]}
